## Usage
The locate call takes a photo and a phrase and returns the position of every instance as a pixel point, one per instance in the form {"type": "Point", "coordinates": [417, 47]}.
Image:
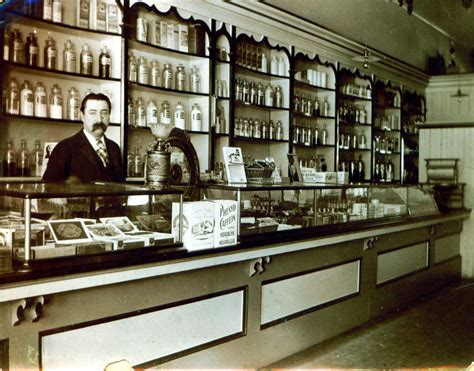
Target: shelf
{"type": "Point", "coordinates": [301, 115]}
{"type": "Point", "coordinates": [146, 87]}
{"type": "Point", "coordinates": [395, 153]}
{"type": "Point", "coordinates": [354, 97]}
{"type": "Point", "coordinates": [348, 123]}
{"type": "Point", "coordinates": [145, 46]}
{"type": "Point", "coordinates": [382, 106]}
{"type": "Point", "coordinates": [249, 71]}
{"type": "Point", "coordinates": [259, 106]}
{"type": "Point", "coordinates": [41, 71]}
{"type": "Point", "coordinates": [305, 85]}
{"type": "Point", "coordinates": [23, 179]}
{"type": "Point", "coordinates": [56, 27]}
{"type": "Point", "coordinates": [355, 149]}
{"type": "Point", "coordinates": [269, 141]}
{"type": "Point", "coordinates": [220, 135]}
{"type": "Point", "coordinates": [220, 61]}
{"type": "Point", "coordinates": [386, 130]}
{"type": "Point", "coordinates": [147, 129]}
{"type": "Point", "coordinates": [223, 98]}
{"type": "Point", "coordinates": [300, 145]}
{"type": "Point", "coordinates": [47, 119]}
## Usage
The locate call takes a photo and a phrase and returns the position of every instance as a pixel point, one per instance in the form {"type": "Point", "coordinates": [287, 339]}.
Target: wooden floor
{"type": "Point", "coordinates": [435, 332]}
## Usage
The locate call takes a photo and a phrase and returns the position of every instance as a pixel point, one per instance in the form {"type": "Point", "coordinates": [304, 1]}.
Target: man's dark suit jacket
{"type": "Point", "coordinates": [74, 159]}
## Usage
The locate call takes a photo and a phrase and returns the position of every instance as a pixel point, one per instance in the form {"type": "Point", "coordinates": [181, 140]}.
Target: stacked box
{"type": "Point", "coordinates": [226, 219]}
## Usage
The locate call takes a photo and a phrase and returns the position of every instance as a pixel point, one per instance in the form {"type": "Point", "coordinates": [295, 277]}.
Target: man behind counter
{"type": "Point", "coordinates": [88, 155]}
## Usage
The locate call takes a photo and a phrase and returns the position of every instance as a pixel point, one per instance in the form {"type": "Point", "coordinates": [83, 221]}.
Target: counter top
{"type": "Point", "coordinates": [104, 269]}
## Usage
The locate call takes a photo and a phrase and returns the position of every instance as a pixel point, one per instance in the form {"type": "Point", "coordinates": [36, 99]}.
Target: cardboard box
{"type": "Point", "coordinates": [183, 36]}
{"type": "Point", "coordinates": [198, 224]}
{"type": "Point", "coordinates": [83, 13]}
{"type": "Point", "coordinates": [170, 35]}
{"type": "Point", "coordinates": [45, 252]}
{"type": "Point", "coordinates": [164, 34]}
{"type": "Point", "coordinates": [93, 14]}
{"type": "Point", "coordinates": [155, 32]}
{"type": "Point", "coordinates": [14, 236]}
{"type": "Point", "coordinates": [113, 18]}
{"type": "Point", "coordinates": [101, 16]}
{"type": "Point", "coordinates": [226, 219]}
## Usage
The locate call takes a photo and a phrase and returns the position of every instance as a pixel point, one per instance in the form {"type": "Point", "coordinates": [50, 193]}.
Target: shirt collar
{"type": "Point", "coordinates": [92, 139]}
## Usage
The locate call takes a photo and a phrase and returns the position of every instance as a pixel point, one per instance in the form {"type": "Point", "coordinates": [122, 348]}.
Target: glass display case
{"type": "Point", "coordinates": [298, 205]}
{"type": "Point", "coordinates": [50, 220]}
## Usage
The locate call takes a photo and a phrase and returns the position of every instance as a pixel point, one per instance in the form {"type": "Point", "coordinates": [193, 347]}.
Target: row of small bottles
{"type": "Point", "coordinates": [355, 169]}
{"type": "Point", "coordinates": [317, 163]}
{"type": "Point", "coordinates": [135, 164]}
{"type": "Point", "coordinates": [353, 114]}
{"type": "Point", "coordinates": [253, 57]}
{"type": "Point", "coordinates": [310, 107]}
{"type": "Point", "coordinates": [305, 134]}
{"type": "Point", "coordinates": [29, 54]}
{"type": "Point", "coordinates": [49, 10]}
{"type": "Point", "coordinates": [385, 144]}
{"type": "Point", "coordinates": [257, 93]}
{"type": "Point", "coordinates": [384, 171]}
{"type": "Point", "coordinates": [387, 122]}
{"type": "Point", "coordinates": [35, 103]}
{"type": "Point", "coordinates": [352, 140]}
{"type": "Point", "coordinates": [141, 116]}
{"type": "Point", "coordinates": [140, 71]}
{"type": "Point", "coordinates": [357, 90]}
{"type": "Point", "coordinates": [388, 98]}
{"type": "Point", "coordinates": [411, 126]}
{"type": "Point", "coordinates": [23, 163]}
{"type": "Point", "coordinates": [255, 128]}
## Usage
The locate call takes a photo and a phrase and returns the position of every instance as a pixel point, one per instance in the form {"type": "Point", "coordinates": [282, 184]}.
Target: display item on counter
{"type": "Point", "coordinates": [50, 54]}
{"type": "Point", "coordinates": [142, 71]}
{"type": "Point", "coordinates": [32, 50]}
{"type": "Point", "coordinates": [180, 83]}
{"type": "Point", "coordinates": [86, 60]}
{"type": "Point", "coordinates": [41, 105]}
{"type": "Point", "coordinates": [132, 68]}
{"type": "Point", "coordinates": [105, 63]}
{"type": "Point", "coordinates": [180, 116]}
{"type": "Point", "coordinates": [196, 119]}
{"type": "Point", "coordinates": [73, 104]}
{"type": "Point", "coordinates": [151, 113]}
{"type": "Point", "coordinates": [167, 76]}
{"type": "Point", "coordinates": [13, 98]}
{"type": "Point", "coordinates": [165, 113]}
{"type": "Point", "coordinates": [155, 73]}
{"type": "Point", "coordinates": [27, 99]}
{"type": "Point", "coordinates": [56, 103]}
{"type": "Point", "coordinates": [69, 57]}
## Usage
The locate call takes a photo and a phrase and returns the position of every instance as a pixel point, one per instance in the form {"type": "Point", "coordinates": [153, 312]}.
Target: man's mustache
{"type": "Point", "coordinates": [99, 125]}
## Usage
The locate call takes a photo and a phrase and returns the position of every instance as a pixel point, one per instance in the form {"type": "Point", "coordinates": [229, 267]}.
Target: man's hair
{"type": "Point", "coordinates": [95, 96]}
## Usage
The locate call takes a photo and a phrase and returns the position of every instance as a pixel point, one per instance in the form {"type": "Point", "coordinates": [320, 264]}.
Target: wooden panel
{"type": "Point", "coordinates": [400, 262]}
{"type": "Point", "coordinates": [289, 296]}
{"type": "Point", "coordinates": [146, 337]}
{"type": "Point", "coordinates": [446, 247]}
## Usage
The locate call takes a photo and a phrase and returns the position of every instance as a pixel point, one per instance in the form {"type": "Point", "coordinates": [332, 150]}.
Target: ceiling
{"type": "Point", "coordinates": [386, 27]}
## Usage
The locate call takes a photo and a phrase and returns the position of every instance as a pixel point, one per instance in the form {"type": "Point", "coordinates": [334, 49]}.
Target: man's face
{"type": "Point", "coordinates": [96, 117]}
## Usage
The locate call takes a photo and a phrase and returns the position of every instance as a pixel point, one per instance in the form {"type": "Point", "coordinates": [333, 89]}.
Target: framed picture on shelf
{"type": "Point", "coordinates": [294, 168]}
{"type": "Point", "coordinates": [69, 231]}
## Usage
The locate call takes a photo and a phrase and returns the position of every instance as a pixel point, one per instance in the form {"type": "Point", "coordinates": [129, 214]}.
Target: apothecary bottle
{"type": "Point", "coordinates": [16, 48]}
{"type": "Point", "coordinates": [132, 67]}
{"type": "Point", "coordinates": [73, 104]}
{"type": "Point", "coordinates": [13, 100]}
{"type": "Point", "coordinates": [132, 118]}
{"type": "Point", "coordinates": [86, 60]}
{"type": "Point", "coordinates": [9, 161]}
{"type": "Point", "coordinates": [279, 131]}
{"type": "Point", "coordinates": [6, 46]}
{"type": "Point", "coordinates": [269, 96]}
{"type": "Point", "coordinates": [167, 79]}
{"type": "Point", "coordinates": [41, 105]}
{"type": "Point", "coordinates": [165, 113]}
{"type": "Point", "coordinates": [69, 57]}
{"type": "Point", "coordinates": [56, 103]}
{"type": "Point", "coordinates": [141, 113]}
{"type": "Point", "coordinates": [195, 80]}
{"type": "Point", "coordinates": [324, 135]}
{"type": "Point", "coordinates": [196, 118]}
{"type": "Point", "coordinates": [31, 50]}
{"type": "Point", "coordinates": [50, 54]}
{"type": "Point", "coordinates": [105, 63]}
{"type": "Point", "coordinates": [179, 116]}
{"type": "Point", "coordinates": [26, 99]}
{"type": "Point", "coordinates": [37, 159]}
{"type": "Point", "coordinates": [151, 113]}
{"type": "Point", "coordinates": [137, 164]}
{"type": "Point", "coordinates": [325, 107]}
{"type": "Point", "coordinates": [155, 73]}
{"type": "Point", "coordinates": [271, 130]}
{"type": "Point", "coordinates": [24, 160]}
{"type": "Point", "coordinates": [142, 71]}
{"type": "Point", "coordinates": [180, 78]}
{"type": "Point", "coordinates": [278, 98]}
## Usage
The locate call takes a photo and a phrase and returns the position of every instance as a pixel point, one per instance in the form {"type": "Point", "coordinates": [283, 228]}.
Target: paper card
{"type": "Point", "coordinates": [124, 224]}
{"type": "Point", "coordinates": [101, 230]}
{"type": "Point", "coordinates": [69, 231]}
{"type": "Point", "coordinates": [234, 165]}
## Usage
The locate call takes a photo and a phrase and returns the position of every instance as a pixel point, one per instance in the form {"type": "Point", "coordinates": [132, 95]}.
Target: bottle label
{"type": "Point", "coordinates": [105, 60]}
{"type": "Point", "coordinates": [87, 59]}
{"type": "Point", "coordinates": [34, 49]}
{"type": "Point", "coordinates": [52, 53]}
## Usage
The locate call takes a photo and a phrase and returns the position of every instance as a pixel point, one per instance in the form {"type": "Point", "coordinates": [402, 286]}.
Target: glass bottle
{"type": "Point", "coordinates": [132, 118]}
{"type": "Point", "coordinates": [26, 99]}
{"type": "Point", "coordinates": [362, 141]}
{"type": "Point", "coordinates": [23, 160]}
{"type": "Point", "coordinates": [309, 136]}
{"type": "Point", "coordinates": [32, 50]}
{"type": "Point", "coordinates": [151, 113]}
{"type": "Point", "coordinates": [6, 45]}
{"type": "Point", "coordinates": [325, 107]}
{"type": "Point", "coordinates": [137, 164]}
{"type": "Point", "coordinates": [13, 99]}
{"type": "Point", "coordinates": [279, 131]}
{"type": "Point", "coordinates": [253, 93]}
{"type": "Point", "coordinates": [324, 135]}
{"type": "Point", "coordinates": [17, 47]}
{"type": "Point", "coordinates": [269, 96]}
{"type": "Point", "coordinates": [196, 118]}
{"type": "Point", "coordinates": [257, 133]}
{"type": "Point", "coordinates": [271, 130]}
{"type": "Point", "coordinates": [141, 113]}
{"type": "Point", "coordinates": [57, 14]}
{"type": "Point", "coordinates": [50, 54]}
{"type": "Point", "coordinates": [56, 103]}
{"type": "Point", "coordinates": [179, 116]}
{"type": "Point", "coordinates": [195, 80]}
{"type": "Point", "coordinates": [130, 163]}
{"type": "Point", "coordinates": [167, 79]}
{"type": "Point", "coordinates": [142, 71]}
{"type": "Point", "coordinates": [73, 104]}
{"type": "Point", "coordinates": [105, 63]}
{"type": "Point", "coordinates": [41, 105]}
{"type": "Point", "coordinates": [155, 73]}
{"type": "Point", "coordinates": [132, 67]}
{"type": "Point", "coordinates": [316, 138]}
{"type": "Point", "coordinates": [278, 97]}
{"type": "Point", "coordinates": [389, 170]}
{"type": "Point", "coordinates": [165, 113]}
{"type": "Point", "coordinates": [48, 10]}
{"type": "Point", "coordinates": [238, 90]}
{"type": "Point", "coordinates": [86, 60]}
{"type": "Point", "coordinates": [180, 83]}
{"type": "Point", "coordinates": [361, 169]}
{"type": "Point", "coordinates": [9, 161]}
{"type": "Point", "coordinates": [260, 94]}
{"type": "Point", "coordinates": [245, 91]}
{"type": "Point", "coordinates": [316, 107]}
{"type": "Point", "coordinates": [69, 57]}
{"type": "Point", "coordinates": [296, 133]}
{"type": "Point", "coordinates": [324, 166]}
{"type": "Point", "coordinates": [37, 159]}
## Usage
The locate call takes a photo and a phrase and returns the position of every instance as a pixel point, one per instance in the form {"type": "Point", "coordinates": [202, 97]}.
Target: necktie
{"type": "Point", "coordinates": [102, 152]}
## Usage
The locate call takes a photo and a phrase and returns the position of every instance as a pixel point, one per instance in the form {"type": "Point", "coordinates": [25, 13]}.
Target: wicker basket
{"type": "Point", "coordinates": [258, 172]}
